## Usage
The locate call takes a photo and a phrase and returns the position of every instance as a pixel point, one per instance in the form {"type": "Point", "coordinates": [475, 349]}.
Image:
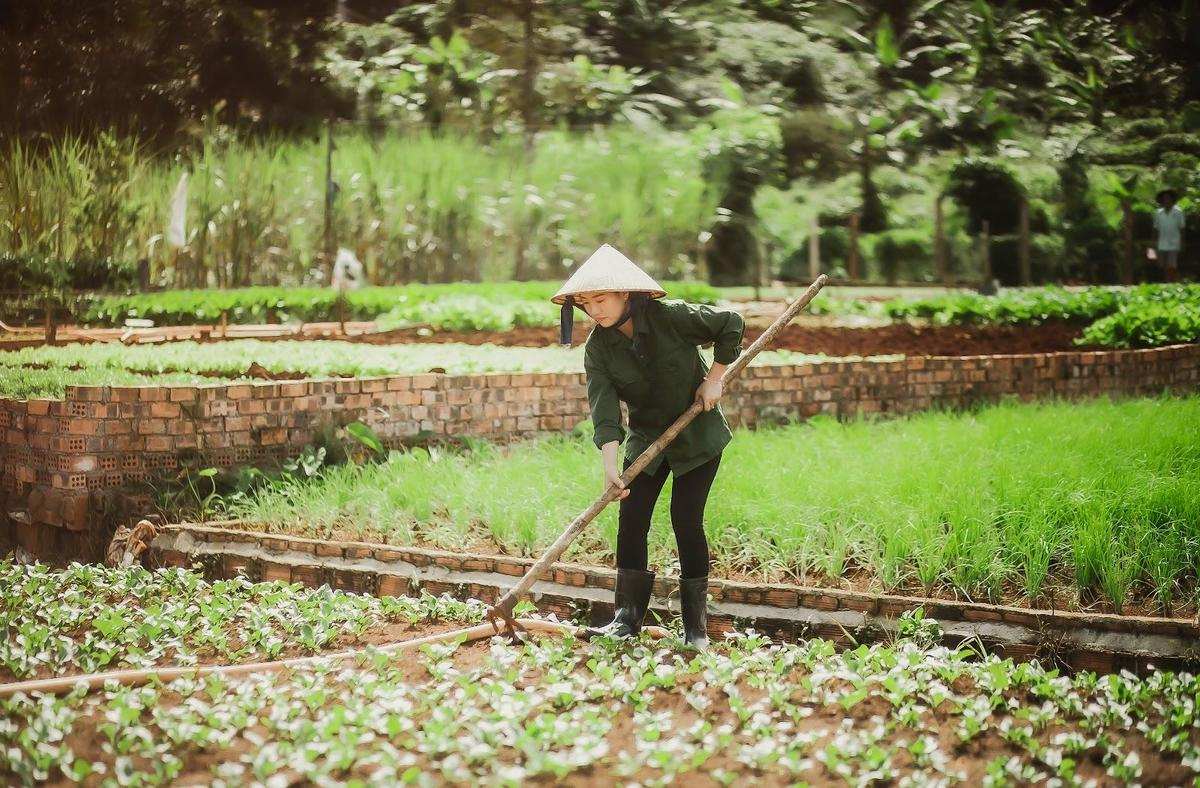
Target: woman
{"type": "Point", "coordinates": [644, 352]}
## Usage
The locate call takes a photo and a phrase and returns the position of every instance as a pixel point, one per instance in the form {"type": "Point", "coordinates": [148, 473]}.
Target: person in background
{"type": "Point", "coordinates": [1169, 223]}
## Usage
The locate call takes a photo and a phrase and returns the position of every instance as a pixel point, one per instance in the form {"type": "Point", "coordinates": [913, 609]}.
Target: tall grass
{"type": "Point", "coordinates": [71, 199]}
{"type": "Point", "coordinates": [1009, 500]}
{"type": "Point", "coordinates": [415, 206]}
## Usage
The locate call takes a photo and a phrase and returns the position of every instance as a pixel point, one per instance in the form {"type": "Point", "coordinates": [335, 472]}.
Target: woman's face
{"type": "Point", "coordinates": [605, 307]}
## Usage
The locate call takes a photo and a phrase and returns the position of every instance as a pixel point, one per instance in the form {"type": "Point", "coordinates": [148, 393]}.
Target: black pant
{"type": "Point", "coordinates": [689, 494]}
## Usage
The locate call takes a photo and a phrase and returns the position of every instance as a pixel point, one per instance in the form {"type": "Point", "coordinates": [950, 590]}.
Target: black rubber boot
{"type": "Point", "coordinates": [631, 601]}
{"type": "Point", "coordinates": [693, 604]}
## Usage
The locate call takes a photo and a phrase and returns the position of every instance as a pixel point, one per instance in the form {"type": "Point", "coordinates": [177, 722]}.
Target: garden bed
{"type": "Point", "coordinates": [820, 336]}
{"type": "Point", "coordinates": [556, 708]}
{"type": "Point", "coordinates": [1088, 506]}
{"type": "Point", "coordinates": [1075, 640]}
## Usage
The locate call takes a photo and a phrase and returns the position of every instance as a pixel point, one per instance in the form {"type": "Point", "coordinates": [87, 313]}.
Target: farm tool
{"type": "Point", "coordinates": [499, 618]}
{"type": "Point", "coordinates": [501, 614]}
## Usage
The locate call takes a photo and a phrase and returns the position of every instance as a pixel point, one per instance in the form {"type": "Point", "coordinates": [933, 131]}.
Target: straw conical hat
{"type": "Point", "coordinates": [608, 269]}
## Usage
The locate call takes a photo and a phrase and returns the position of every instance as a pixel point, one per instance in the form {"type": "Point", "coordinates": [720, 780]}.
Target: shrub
{"type": "Point", "coordinates": [835, 250]}
{"type": "Point", "coordinates": [1152, 317]}
{"type": "Point", "coordinates": [989, 192]}
{"type": "Point", "coordinates": [903, 250]}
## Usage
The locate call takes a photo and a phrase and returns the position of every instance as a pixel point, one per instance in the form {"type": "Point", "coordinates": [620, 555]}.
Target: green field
{"type": "Point", "coordinates": [551, 709]}
{"type": "Point", "coordinates": [47, 371]}
{"type": "Point", "coordinates": [1097, 500]}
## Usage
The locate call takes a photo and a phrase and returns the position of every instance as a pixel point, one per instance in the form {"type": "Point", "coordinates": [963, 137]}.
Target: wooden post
{"type": "Point", "coordinates": [327, 239]}
{"type": "Point", "coordinates": [852, 266]}
{"type": "Point", "coordinates": [224, 323]}
{"type": "Point", "coordinates": [1127, 262]}
{"type": "Point", "coordinates": [986, 241]}
{"type": "Point", "coordinates": [760, 258]}
{"type": "Point", "coordinates": [814, 248]}
{"type": "Point", "coordinates": [1023, 244]}
{"type": "Point", "coordinates": [341, 307]}
{"type": "Point", "coordinates": [51, 328]}
{"type": "Point", "coordinates": [939, 240]}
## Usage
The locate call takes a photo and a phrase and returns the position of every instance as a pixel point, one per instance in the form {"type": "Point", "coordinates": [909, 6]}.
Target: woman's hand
{"type": "Point", "coordinates": [612, 474]}
{"type": "Point", "coordinates": [612, 477]}
{"type": "Point", "coordinates": [709, 393]}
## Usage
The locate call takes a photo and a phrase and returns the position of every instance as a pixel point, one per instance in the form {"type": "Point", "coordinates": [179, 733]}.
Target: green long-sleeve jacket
{"type": "Point", "coordinates": [661, 385]}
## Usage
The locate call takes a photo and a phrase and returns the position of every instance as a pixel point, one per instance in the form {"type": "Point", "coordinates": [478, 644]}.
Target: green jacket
{"type": "Point", "coordinates": [661, 385]}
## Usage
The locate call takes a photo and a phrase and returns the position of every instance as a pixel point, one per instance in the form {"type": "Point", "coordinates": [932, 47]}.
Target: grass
{"type": "Point", "coordinates": [557, 709]}
{"type": "Point", "coordinates": [1075, 502]}
{"type": "Point", "coordinates": [423, 303]}
{"type": "Point", "coordinates": [47, 371]}
{"type": "Point", "coordinates": [420, 206]}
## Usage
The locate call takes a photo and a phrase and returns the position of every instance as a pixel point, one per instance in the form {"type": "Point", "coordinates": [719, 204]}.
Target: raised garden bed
{"type": "Point", "coordinates": [1076, 640]}
{"type": "Point", "coordinates": [554, 709]}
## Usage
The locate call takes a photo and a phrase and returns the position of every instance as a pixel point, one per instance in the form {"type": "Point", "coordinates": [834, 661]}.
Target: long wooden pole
{"type": "Point", "coordinates": [501, 612]}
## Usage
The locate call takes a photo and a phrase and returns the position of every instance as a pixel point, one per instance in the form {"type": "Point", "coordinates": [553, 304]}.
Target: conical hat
{"type": "Point", "coordinates": [607, 269]}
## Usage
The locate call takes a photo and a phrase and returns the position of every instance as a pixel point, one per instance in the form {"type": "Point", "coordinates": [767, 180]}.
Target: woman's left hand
{"type": "Point", "coordinates": [709, 393]}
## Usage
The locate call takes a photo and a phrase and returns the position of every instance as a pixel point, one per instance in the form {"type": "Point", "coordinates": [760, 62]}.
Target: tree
{"type": "Point", "coordinates": [151, 66]}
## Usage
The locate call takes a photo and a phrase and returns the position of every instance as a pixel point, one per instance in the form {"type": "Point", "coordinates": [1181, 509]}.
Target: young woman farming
{"type": "Point", "coordinates": [644, 351]}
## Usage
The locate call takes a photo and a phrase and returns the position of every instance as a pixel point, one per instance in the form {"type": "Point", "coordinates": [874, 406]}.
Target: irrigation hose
{"type": "Point", "coordinates": [132, 678]}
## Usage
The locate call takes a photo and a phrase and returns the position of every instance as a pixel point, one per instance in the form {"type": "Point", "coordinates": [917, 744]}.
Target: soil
{"type": "Point", "coordinates": [815, 338]}
{"type": "Point", "coordinates": [973, 757]}
{"type": "Point", "coordinates": [831, 336]}
{"type": "Point", "coordinates": [379, 635]}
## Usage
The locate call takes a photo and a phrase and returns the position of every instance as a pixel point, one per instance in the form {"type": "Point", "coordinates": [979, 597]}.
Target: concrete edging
{"type": "Point", "coordinates": [1081, 641]}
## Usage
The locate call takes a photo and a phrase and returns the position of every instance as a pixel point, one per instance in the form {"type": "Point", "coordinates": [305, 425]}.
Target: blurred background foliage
{"type": "Point", "coordinates": [491, 140]}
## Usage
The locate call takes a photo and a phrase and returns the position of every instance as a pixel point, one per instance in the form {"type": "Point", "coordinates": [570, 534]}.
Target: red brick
{"type": "Point", "coordinates": [332, 549]}
{"type": "Point", "coordinates": [75, 512]}
{"type": "Point", "coordinates": [125, 393]}
{"type": "Point", "coordinates": [981, 614]}
{"type": "Point", "coordinates": [308, 575]}
{"type": "Point", "coordinates": [392, 585]}
{"type": "Point", "coordinates": [478, 565]}
{"type": "Point", "coordinates": [183, 394]}
{"type": "Point", "coordinates": [275, 571]}
{"type": "Point", "coordinates": [165, 410]}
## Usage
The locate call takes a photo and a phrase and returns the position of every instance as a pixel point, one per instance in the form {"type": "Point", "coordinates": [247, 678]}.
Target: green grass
{"type": "Point", "coordinates": [414, 303]}
{"type": "Point", "coordinates": [1097, 498]}
{"type": "Point", "coordinates": [421, 206]}
{"type": "Point", "coordinates": [47, 371]}
{"type": "Point", "coordinates": [549, 710]}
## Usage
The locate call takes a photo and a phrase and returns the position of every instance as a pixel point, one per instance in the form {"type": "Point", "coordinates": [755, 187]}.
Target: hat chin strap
{"type": "Point", "coordinates": [626, 315]}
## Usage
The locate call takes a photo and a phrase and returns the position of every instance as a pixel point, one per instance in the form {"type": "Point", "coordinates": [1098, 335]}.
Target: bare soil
{"type": "Point", "coordinates": [973, 757]}
{"type": "Point", "coordinates": [831, 336]}
{"type": "Point", "coordinates": [816, 338]}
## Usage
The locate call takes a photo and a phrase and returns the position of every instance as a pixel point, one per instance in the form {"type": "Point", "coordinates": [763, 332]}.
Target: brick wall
{"type": "Point", "coordinates": [63, 461]}
{"type": "Point", "coordinates": [1099, 642]}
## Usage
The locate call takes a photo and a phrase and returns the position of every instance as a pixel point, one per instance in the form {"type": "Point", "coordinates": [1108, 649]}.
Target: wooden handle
{"type": "Point", "coordinates": [503, 608]}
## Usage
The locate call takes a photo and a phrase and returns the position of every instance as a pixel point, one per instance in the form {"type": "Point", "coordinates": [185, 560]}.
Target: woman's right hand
{"type": "Point", "coordinates": [612, 477]}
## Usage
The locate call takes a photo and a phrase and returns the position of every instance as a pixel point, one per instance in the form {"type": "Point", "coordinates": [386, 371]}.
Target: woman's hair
{"type": "Point", "coordinates": [635, 308]}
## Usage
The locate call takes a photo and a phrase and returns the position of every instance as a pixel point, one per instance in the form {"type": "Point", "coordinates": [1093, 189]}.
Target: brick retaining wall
{"type": "Point", "coordinates": [1083, 641]}
{"type": "Point", "coordinates": [63, 463]}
